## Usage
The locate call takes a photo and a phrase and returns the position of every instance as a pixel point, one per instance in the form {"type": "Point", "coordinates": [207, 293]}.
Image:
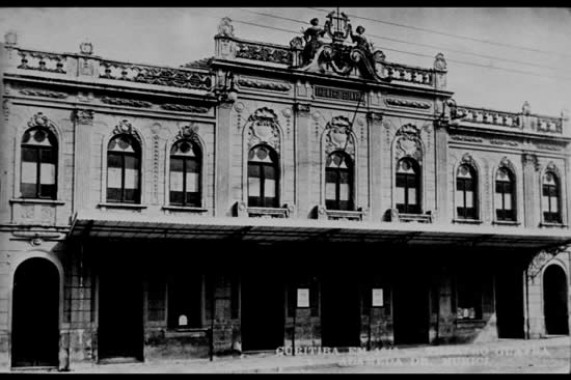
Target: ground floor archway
{"type": "Point", "coordinates": [555, 307]}
{"type": "Point", "coordinates": [35, 314]}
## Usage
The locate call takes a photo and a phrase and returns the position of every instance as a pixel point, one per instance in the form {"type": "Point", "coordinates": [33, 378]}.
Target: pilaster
{"type": "Point", "coordinates": [303, 137]}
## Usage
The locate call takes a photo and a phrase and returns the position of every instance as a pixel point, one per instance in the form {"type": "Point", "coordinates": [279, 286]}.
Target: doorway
{"type": "Point", "coordinates": [35, 317]}
{"type": "Point", "coordinates": [509, 304]}
{"type": "Point", "coordinates": [340, 311]}
{"type": "Point", "coordinates": [555, 308]}
{"type": "Point", "coordinates": [120, 313]}
{"type": "Point", "coordinates": [263, 312]}
{"type": "Point", "coordinates": [411, 310]}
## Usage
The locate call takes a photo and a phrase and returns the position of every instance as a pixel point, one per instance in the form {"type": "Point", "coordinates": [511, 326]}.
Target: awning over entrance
{"type": "Point", "coordinates": [137, 226]}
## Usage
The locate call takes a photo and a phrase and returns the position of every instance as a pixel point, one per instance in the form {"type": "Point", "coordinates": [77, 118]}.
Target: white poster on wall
{"type": "Point", "coordinates": [302, 297]}
{"type": "Point", "coordinates": [377, 299]}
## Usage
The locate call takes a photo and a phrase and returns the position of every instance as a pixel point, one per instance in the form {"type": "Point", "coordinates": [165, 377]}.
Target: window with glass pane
{"type": "Point", "coordinates": [550, 204]}
{"type": "Point", "coordinates": [466, 185]}
{"type": "Point", "coordinates": [263, 177]}
{"type": "Point", "coordinates": [185, 174]}
{"type": "Point", "coordinates": [408, 187]}
{"type": "Point", "coordinates": [339, 182]}
{"type": "Point", "coordinates": [505, 195]}
{"type": "Point", "coordinates": [39, 164]}
{"type": "Point", "coordinates": [123, 170]}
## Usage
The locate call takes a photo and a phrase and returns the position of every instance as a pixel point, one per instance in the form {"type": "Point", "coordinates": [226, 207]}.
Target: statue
{"type": "Point", "coordinates": [439, 62]}
{"type": "Point", "coordinates": [360, 40]}
{"type": "Point", "coordinates": [225, 28]}
{"type": "Point", "coordinates": [312, 39]}
{"type": "Point", "coordinates": [526, 108]}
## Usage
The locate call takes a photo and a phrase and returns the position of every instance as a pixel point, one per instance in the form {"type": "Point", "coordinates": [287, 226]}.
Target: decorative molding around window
{"type": "Point", "coordinates": [185, 174]}
{"type": "Point", "coordinates": [551, 197]}
{"type": "Point", "coordinates": [39, 159]}
{"type": "Point", "coordinates": [352, 215]}
{"type": "Point", "coordinates": [242, 210]}
{"type": "Point", "coordinates": [505, 199]}
{"type": "Point", "coordinates": [466, 191]}
{"type": "Point", "coordinates": [408, 143]}
{"type": "Point", "coordinates": [124, 157]}
{"type": "Point", "coordinates": [263, 128]}
{"type": "Point", "coordinates": [263, 168]}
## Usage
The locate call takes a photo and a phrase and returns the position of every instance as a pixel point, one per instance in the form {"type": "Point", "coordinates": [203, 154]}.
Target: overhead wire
{"type": "Point", "coordinates": [422, 55]}
{"type": "Point", "coordinates": [443, 49]}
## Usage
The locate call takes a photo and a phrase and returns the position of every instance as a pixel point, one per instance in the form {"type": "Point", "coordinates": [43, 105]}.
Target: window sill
{"type": "Point", "coordinates": [196, 210]}
{"type": "Point", "coordinates": [467, 221]}
{"type": "Point", "coordinates": [328, 214]}
{"type": "Point", "coordinates": [506, 223]}
{"type": "Point", "coordinates": [122, 205]}
{"type": "Point", "coordinates": [38, 201]}
{"type": "Point", "coordinates": [469, 321]}
{"type": "Point", "coordinates": [552, 225]}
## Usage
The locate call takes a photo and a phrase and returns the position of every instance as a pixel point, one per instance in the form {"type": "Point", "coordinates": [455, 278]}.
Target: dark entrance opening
{"type": "Point", "coordinates": [509, 304]}
{"type": "Point", "coordinates": [411, 313]}
{"type": "Point", "coordinates": [555, 301]}
{"type": "Point", "coordinates": [340, 312]}
{"type": "Point", "coordinates": [263, 312]}
{"type": "Point", "coordinates": [120, 312]}
{"type": "Point", "coordinates": [35, 321]}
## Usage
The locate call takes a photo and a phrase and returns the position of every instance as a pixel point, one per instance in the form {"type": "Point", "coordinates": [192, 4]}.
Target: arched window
{"type": "Point", "coordinates": [39, 164]}
{"type": "Point", "coordinates": [263, 177]}
{"type": "Point", "coordinates": [408, 186]}
{"type": "Point", "coordinates": [550, 204]}
{"type": "Point", "coordinates": [123, 170]}
{"type": "Point", "coordinates": [505, 195]}
{"type": "Point", "coordinates": [339, 182]}
{"type": "Point", "coordinates": [466, 192]}
{"type": "Point", "coordinates": [185, 174]}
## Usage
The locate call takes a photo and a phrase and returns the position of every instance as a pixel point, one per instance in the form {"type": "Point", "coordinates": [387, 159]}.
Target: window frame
{"type": "Point", "coordinates": [54, 151]}
{"type": "Point", "coordinates": [513, 193]}
{"type": "Point", "coordinates": [275, 165]}
{"type": "Point", "coordinates": [553, 217]}
{"type": "Point", "coordinates": [417, 173]}
{"type": "Point", "coordinates": [350, 170]}
{"type": "Point", "coordinates": [198, 158]}
{"type": "Point", "coordinates": [475, 195]}
{"type": "Point", "coordinates": [136, 144]}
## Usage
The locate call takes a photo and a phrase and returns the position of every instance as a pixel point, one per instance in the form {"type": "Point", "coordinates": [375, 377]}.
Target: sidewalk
{"type": "Point", "coordinates": [270, 362]}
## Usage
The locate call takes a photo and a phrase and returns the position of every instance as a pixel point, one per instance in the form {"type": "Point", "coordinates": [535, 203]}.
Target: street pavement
{"type": "Point", "coordinates": [550, 355]}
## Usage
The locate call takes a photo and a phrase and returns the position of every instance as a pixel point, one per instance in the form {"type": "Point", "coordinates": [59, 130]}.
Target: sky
{"type": "Point", "coordinates": [497, 57]}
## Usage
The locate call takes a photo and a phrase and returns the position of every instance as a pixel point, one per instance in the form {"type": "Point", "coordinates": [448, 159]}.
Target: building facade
{"type": "Point", "coordinates": [270, 198]}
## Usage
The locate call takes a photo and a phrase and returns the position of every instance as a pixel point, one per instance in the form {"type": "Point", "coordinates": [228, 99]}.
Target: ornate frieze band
{"type": "Point", "coordinates": [126, 102]}
{"type": "Point", "coordinates": [264, 85]}
{"type": "Point", "coordinates": [406, 103]}
{"type": "Point", "coordinates": [43, 93]}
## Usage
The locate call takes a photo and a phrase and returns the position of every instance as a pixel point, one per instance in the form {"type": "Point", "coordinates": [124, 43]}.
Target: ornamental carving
{"type": "Point", "coordinates": [40, 61]}
{"type": "Point", "coordinates": [125, 127]}
{"type": "Point", "coordinates": [264, 85]}
{"type": "Point", "coordinates": [341, 57]}
{"type": "Point", "coordinates": [126, 102]}
{"type": "Point", "coordinates": [184, 108]}
{"type": "Point", "coordinates": [408, 143]}
{"type": "Point", "coordinates": [182, 78]}
{"type": "Point", "coordinates": [539, 262]}
{"type": "Point", "coordinates": [41, 120]}
{"type": "Point", "coordinates": [82, 116]}
{"type": "Point", "coordinates": [505, 162]}
{"type": "Point", "coordinates": [188, 132]}
{"type": "Point", "coordinates": [263, 53]}
{"type": "Point", "coordinates": [338, 136]}
{"type": "Point", "coordinates": [263, 127]}
{"type": "Point", "coordinates": [46, 94]}
{"type": "Point", "coordinates": [530, 159]}
{"type": "Point", "coordinates": [468, 159]}
{"type": "Point", "coordinates": [406, 103]}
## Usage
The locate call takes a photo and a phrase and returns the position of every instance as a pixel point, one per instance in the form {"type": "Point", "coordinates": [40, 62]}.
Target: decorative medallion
{"type": "Point", "coordinates": [263, 127]}
{"type": "Point", "coordinates": [338, 136]}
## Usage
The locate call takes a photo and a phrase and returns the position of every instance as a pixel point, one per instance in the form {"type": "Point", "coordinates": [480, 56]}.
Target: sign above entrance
{"type": "Point", "coordinates": [377, 299]}
{"type": "Point", "coordinates": [303, 297]}
{"type": "Point", "coordinates": [338, 94]}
